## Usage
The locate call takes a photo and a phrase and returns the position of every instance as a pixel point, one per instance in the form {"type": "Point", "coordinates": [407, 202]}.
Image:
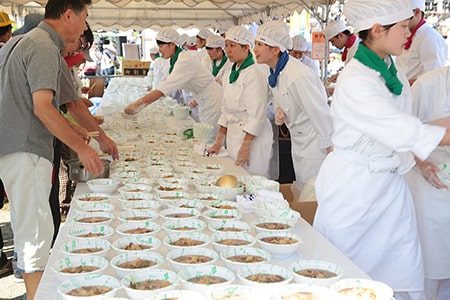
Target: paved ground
{"type": "Point", "coordinates": [9, 289]}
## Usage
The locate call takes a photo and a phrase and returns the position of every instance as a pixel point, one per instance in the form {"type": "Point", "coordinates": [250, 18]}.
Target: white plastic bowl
{"type": "Point", "coordinates": [187, 203]}
{"type": "Point", "coordinates": [141, 205]}
{"type": "Point", "coordinates": [181, 166]}
{"type": "Point", "coordinates": [204, 270]}
{"type": "Point", "coordinates": [86, 281]}
{"type": "Point", "coordinates": [177, 253]}
{"type": "Point", "coordinates": [318, 272]}
{"type": "Point", "coordinates": [179, 213]}
{"type": "Point", "coordinates": [296, 290]}
{"type": "Point", "coordinates": [213, 169]}
{"type": "Point", "coordinates": [273, 225]}
{"type": "Point", "coordinates": [103, 185]}
{"type": "Point", "coordinates": [228, 193]}
{"type": "Point", "coordinates": [223, 204]}
{"type": "Point", "coordinates": [88, 247]}
{"type": "Point", "coordinates": [247, 252]}
{"type": "Point", "coordinates": [183, 225]}
{"type": "Point", "coordinates": [229, 226]}
{"type": "Point", "coordinates": [152, 274]}
{"type": "Point", "coordinates": [135, 215]}
{"type": "Point", "coordinates": [381, 290]}
{"type": "Point", "coordinates": [249, 270]}
{"type": "Point", "coordinates": [151, 227]}
{"type": "Point", "coordinates": [165, 200]}
{"type": "Point", "coordinates": [73, 262]}
{"type": "Point", "coordinates": [139, 180]}
{"type": "Point", "coordinates": [95, 207]}
{"type": "Point", "coordinates": [90, 231]}
{"type": "Point", "coordinates": [154, 257]}
{"type": "Point", "coordinates": [100, 218]}
{"type": "Point", "coordinates": [288, 215]}
{"type": "Point", "coordinates": [269, 205]}
{"type": "Point", "coordinates": [136, 188]}
{"type": "Point", "coordinates": [169, 240]}
{"type": "Point", "coordinates": [214, 216]}
{"type": "Point", "coordinates": [279, 250]}
{"type": "Point", "coordinates": [177, 294]}
{"type": "Point", "coordinates": [91, 197]}
{"type": "Point", "coordinates": [206, 198]}
{"type": "Point", "coordinates": [130, 197]}
{"type": "Point", "coordinates": [237, 291]}
{"type": "Point", "coordinates": [140, 244]}
{"type": "Point", "coordinates": [224, 240]}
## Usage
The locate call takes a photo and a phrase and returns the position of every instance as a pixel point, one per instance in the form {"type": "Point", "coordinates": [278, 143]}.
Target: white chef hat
{"type": "Point", "coordinates": [274, 33]}
{"type": "Point", "coordinates": [191, 41]}
{"type": "Point", "coordinates": [299, 43]}
{"type": "Point", "coordinates": [240, 35]}
{"type": "Point", "coordinates": [363, 14]}
{"type": "Point", "coordinates": [204, 33]}
{"type": "Point", "coordinates": [183, 39]}
{"type": "Point", "coordinates": [334, 28]}
{"type": "Point", "coordinates": [168, 35]}
{"type": "Point", "coordinates": [215, 41]}
{"type": "Point", "coordinates": [154, 50]}
{"type": "Point", "coordinates": [418, 4]}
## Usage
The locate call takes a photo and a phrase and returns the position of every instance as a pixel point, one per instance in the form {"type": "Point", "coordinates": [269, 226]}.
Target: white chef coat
{"type": "Point", "coordinates": [428, 52]}
{"type": "Point", "coordinates": [309, 62]}
{"type": "Point", "coordinates": [224, 71]}
{"type": "Point", "coordinates": [352, 50]}
{"type": "Point", "coordinates": [190, 74]}
{"type": "Point", "coordinates": [244, 110]}
{"type": "Point", "coordinates": [160, 68]}
{"type": "Point", "coordinates": [302, 97]}
{"type": "Point", "coordinates": [431, 94]}
{"type": "Point", "coordinates": [365, 207]}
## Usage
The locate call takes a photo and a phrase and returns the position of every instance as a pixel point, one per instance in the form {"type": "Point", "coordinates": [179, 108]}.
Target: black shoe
{"type": "Point", "coordinates": [5, 266]}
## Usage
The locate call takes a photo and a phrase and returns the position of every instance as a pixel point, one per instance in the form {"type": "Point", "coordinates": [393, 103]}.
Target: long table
{"type": "Point", "coordinates": [314, 245]}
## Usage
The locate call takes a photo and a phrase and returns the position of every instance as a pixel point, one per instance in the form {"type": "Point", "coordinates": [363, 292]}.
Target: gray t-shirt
{"type": "Point", "coordinates": [28, 63]}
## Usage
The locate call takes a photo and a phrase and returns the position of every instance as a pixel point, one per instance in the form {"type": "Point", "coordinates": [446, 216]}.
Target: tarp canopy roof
{"type": "Point", "coordinates": [140, 14]}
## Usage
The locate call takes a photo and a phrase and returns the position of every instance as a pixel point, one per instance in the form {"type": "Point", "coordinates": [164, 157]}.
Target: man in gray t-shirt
{"type": "Point", "coordinates": [30, 72]}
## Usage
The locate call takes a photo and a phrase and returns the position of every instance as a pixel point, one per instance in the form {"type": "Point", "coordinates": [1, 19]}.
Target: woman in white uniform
{"type": "Point", "coordinates": [365, 206]}
{"type": "Point", "coordinates": [184, 73]}
{"type": "Point", "coordinates": [300, 100]}
{"type": "Point", "coordinates": [244, 110]}
{"type": "Point", "coordinates": [431, 101]}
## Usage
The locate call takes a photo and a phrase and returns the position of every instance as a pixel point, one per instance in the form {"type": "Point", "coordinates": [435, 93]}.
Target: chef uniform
{"type": "Point", "coordinates": [300, 94]}
{"type": "Point", "coordinates": [431, 94]}
{"type": "Point", "coordinates": [244, 110]}
{"type": "Point", "coordinates": [350, 47]}
{"type": "Point", "coordinates": [428, 50]}
{"type": "Point", "coordinates": [365, 207]}
{"type": "Point", "coordinates": [299, 43]}
{"type": "Point", "coordinates": [216, 41]}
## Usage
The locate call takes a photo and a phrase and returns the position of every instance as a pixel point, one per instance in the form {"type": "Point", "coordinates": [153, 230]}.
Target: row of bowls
{"type": "Point", "coordinates": [250, 288]}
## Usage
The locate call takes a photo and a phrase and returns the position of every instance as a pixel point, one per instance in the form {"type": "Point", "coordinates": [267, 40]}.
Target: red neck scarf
{"type": "Point", "coordinates": [410, 38]}
{"type": "Point", "coordinates": [351, 40]}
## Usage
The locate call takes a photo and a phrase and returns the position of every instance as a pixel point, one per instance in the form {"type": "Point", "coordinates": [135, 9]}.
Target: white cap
{"type": "Point", "coordinates": [221, 30]}
{"type": "Point", "coordinates": [191, 41]}
{"type": "Point", "coordinates": [240, 35]}
{"type": "Point", "coordinates": [168, 35]}
{"type": "Point", "coordinates": [334, 28]}
{"type": "Point", "coordinates": [274, 33]}
{"type": "Point", "coordinates": [204, 33]}
{"type": "Point", "coordinates": [299, 43]}
{"type": "Point", "coordinates": [154, 50]}
{"type": "Point", "coordinates": [215, 41]}
{"type": "Point", "coordinates": [183, 39]}
{"type": "Point", "coordinates": [363, 14]}
{"type": "Point", "coordinates": [418, 4]}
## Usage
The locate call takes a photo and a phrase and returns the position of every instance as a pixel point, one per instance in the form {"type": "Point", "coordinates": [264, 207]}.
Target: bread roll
{"type": "Point", "coordinates": [228, 181]}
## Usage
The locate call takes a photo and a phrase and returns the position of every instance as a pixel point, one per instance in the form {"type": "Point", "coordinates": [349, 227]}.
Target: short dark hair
{"type": "Point", "coordinates": [88, 34]}
{"type": "Point", "coordinates": [5, 29]}
{"type": "Point", "coordinates": [55, 8]}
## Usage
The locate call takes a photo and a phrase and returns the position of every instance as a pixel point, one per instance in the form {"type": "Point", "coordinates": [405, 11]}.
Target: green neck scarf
{"type": "Point", "coordinates": [216, 69]}
{"type": "Point", "coordinates": [235, 73]}
{"type": "Point", "coordinates": [372, 60]}
{"type": "Point", "coordinates": [174, 59]}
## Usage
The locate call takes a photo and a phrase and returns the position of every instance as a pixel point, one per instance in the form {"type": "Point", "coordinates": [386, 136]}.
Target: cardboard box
{"type": "Point", "coordinates": [137, 68]}
{"type": "Point", "coordinates": [306, 208]}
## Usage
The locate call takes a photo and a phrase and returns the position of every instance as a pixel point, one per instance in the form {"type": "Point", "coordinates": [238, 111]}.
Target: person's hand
{"type": "Point", "coordinates": [443, 122]}
{"type": "Point", "coordinates": [87, 102]}
{"type": "Point", "coordinates": [192, 104]}
{"type": "Point", "coordinates": [90, 160]}
{"type": "Point", "coordinates": [429, 172]}
{"type": "Point", "coordinates": [81, 131]}
{"type": "Point", "coordinates": [85, 90]}
{"type": "Point", "coordinates": [107, 145]}
{"type": "Point", "coordinates": [243, 156]}
{"type": "Point", "coordinates": [134, 107]}
{"type": "Point", "coordinates": [279, 116]}
{"type": "Point", "coordinates": [99, 120]}
{"type": "Point", "coordinates": [329, 149]}
{"type": "Point", "coordinates": [215, 148]}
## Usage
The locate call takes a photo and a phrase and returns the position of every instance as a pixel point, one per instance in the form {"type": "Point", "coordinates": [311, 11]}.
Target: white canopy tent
{"type": "Point", "coordinates": [140, 14]}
